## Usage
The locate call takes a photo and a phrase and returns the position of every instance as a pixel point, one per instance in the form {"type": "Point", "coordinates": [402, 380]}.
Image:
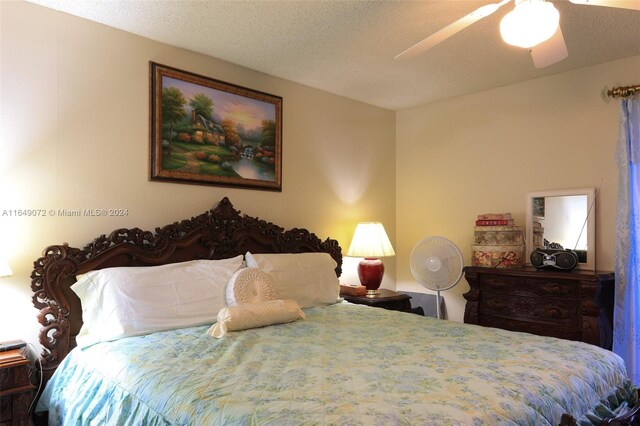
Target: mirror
{"type": "Point", "coordinates": [562, 219]}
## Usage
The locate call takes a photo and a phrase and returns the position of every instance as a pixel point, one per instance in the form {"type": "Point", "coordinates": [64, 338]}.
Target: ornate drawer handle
{"type": "Point", "coordinates": [554, 313]}
{"type": "Point", "coordinates": [495, 304]}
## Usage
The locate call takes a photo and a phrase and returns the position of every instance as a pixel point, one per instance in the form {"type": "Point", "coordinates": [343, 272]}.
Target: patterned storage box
{"type": "Point", "coordinates": [538, 237]}
{"type": "Point", "coordinates": [498, 235]}
{"type": "Point", "coordinates": [506, 256]}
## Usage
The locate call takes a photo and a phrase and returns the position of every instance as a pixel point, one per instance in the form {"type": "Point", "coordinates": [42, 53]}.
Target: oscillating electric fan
{"type": "Point", "coordinates": [436, 263]}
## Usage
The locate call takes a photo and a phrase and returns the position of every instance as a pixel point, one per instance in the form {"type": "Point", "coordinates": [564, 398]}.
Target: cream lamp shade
{"type": "Point", "coordinates": [5, 270]}
{"type": "Point", "coordinates": [530, 23]}
{"type": "Point", "coordinates": [370, 241]}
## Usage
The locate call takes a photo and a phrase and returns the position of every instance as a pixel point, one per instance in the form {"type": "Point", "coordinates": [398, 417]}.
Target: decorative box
{"type": "Point", "coordinates": [353, 290]}
{"type": "Point", "coordinates": [538, 237]}
{"type": "Point", "coordinates": [498, 235]}
{"type": "Point", "coordinates": [498, 256]}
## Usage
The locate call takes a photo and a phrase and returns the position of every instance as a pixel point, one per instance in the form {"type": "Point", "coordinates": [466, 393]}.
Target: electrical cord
{"type": "Point", "coordinates": [35, 397]}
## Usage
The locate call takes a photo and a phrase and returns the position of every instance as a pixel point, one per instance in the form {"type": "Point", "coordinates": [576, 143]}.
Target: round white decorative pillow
{"type": "Point", "coordinates": [250, 285]}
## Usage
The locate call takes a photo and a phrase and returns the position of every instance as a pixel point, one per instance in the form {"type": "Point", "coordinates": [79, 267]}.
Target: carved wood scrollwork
{"type": "Point", "coordinates": [472, 297]}
{"type": "Point", "coordinates": [216, 234]}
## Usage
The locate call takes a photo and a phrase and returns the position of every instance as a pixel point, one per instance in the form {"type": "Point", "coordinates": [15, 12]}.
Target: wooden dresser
{"type": "Point", "coordinates": [575, 305]}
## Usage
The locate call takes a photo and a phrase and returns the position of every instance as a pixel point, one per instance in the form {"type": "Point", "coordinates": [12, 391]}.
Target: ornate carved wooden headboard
{"type": "Point", "coordinates": [216, 234]}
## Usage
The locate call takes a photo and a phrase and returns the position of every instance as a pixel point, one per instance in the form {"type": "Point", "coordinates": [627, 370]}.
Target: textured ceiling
{"type": "Point", "coordinates": [347, 47]}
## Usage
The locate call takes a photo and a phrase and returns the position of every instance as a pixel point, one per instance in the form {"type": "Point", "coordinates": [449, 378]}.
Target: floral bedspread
{"type": "Point", "coordinates": [344, 364]}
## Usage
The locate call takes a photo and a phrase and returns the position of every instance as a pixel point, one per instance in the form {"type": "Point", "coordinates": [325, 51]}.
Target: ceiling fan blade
{"type": "Point", "coordinates": [549, 52]}
{"type": "Point", "coordinates": [451, 29]}
{"type": "Point", "coordinates": [623, 4]}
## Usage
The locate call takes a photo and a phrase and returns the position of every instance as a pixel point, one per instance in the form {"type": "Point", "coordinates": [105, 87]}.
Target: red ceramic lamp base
{"type": "Point", "coordinates": [370, 272]}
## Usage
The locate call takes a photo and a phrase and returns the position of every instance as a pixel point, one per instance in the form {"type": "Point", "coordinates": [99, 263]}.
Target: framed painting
{"type": "Point", "coordinates": [205, 131]}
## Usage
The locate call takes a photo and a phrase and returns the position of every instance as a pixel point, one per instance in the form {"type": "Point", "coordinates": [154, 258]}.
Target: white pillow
{"type": "Point", "coordinates": [250, 285]}
{"type": "Point", "coordinates": [308, 278]}
{"type": "Point", "coordinates": [130, 301]}
{"type": "Point", "coordinates": [253, 315]}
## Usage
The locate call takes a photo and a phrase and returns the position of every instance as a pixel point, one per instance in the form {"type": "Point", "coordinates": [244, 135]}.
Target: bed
{"type": "Point", "coordinates": [341, 364]}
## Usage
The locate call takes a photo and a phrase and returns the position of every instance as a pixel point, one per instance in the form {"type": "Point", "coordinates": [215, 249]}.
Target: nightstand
{"type": "Point", "coordinates": [387, 299]}
{"type": "Point", "coordinates": [16, 391]}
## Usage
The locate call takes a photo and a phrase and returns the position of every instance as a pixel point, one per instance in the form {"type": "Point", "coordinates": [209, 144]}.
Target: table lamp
{"type": "Point", "coordinates": [370, 241]}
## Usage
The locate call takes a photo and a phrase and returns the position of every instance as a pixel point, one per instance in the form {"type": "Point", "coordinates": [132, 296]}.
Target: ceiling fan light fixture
{"type": "Point", "coordinates": [530, 23]}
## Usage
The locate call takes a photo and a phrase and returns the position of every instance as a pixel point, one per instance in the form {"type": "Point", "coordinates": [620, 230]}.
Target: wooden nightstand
{"type": "Point", "coordinates": [387, 299]}
{"type": "Point", "coordinates": [16, 391]}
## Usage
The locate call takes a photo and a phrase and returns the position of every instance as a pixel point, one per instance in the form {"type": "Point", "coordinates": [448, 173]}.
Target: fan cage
{"type": "Point", "coordinates": [451, 263]}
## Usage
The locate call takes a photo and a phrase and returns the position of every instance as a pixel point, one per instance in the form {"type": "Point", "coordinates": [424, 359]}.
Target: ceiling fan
{"type": "Point", "coordinates": [532, 24]}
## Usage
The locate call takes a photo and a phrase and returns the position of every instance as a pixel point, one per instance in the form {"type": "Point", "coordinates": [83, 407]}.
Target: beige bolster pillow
{"type": "Point", "coordinates": [253, 315]}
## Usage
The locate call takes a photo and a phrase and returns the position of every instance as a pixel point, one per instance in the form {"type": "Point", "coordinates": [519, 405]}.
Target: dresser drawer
{"type": "Point", "coordinates": [14, 409]}
{"type": "Point", "coordinates": [524, 286]}
{"type": "Point", "coordinates": [569, 333]}
{"type": "Point", "coordinates": [5, 409]}
{"type": "Point", "coordinates": [14, 377]}
{"type": "Point", "coordinates": [6, 378]}
{"type": "Point", "coordinates": [558, 312]}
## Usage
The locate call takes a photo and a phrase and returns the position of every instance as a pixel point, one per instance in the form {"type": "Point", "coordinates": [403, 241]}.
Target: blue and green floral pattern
{"type": "Point", "coordinates": [344, 365]}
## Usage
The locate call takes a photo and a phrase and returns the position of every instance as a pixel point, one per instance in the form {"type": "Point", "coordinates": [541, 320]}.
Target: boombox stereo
{"type": "Point", "coordinates": [564, 260]}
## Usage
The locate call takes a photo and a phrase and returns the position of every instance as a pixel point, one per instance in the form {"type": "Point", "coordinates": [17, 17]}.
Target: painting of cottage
{"type": "Point", "coordinates": [216, 133]}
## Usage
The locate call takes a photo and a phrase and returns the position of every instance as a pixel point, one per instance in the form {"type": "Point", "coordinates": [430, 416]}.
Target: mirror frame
{"type": "Point", "coordinates": [590, 264]}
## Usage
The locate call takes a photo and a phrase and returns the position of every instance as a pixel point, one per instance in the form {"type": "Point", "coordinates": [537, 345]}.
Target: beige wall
{"type": "Point", "coordinates": [74, 134]}
{"type": "Point", "coordinates": [482, 153]}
